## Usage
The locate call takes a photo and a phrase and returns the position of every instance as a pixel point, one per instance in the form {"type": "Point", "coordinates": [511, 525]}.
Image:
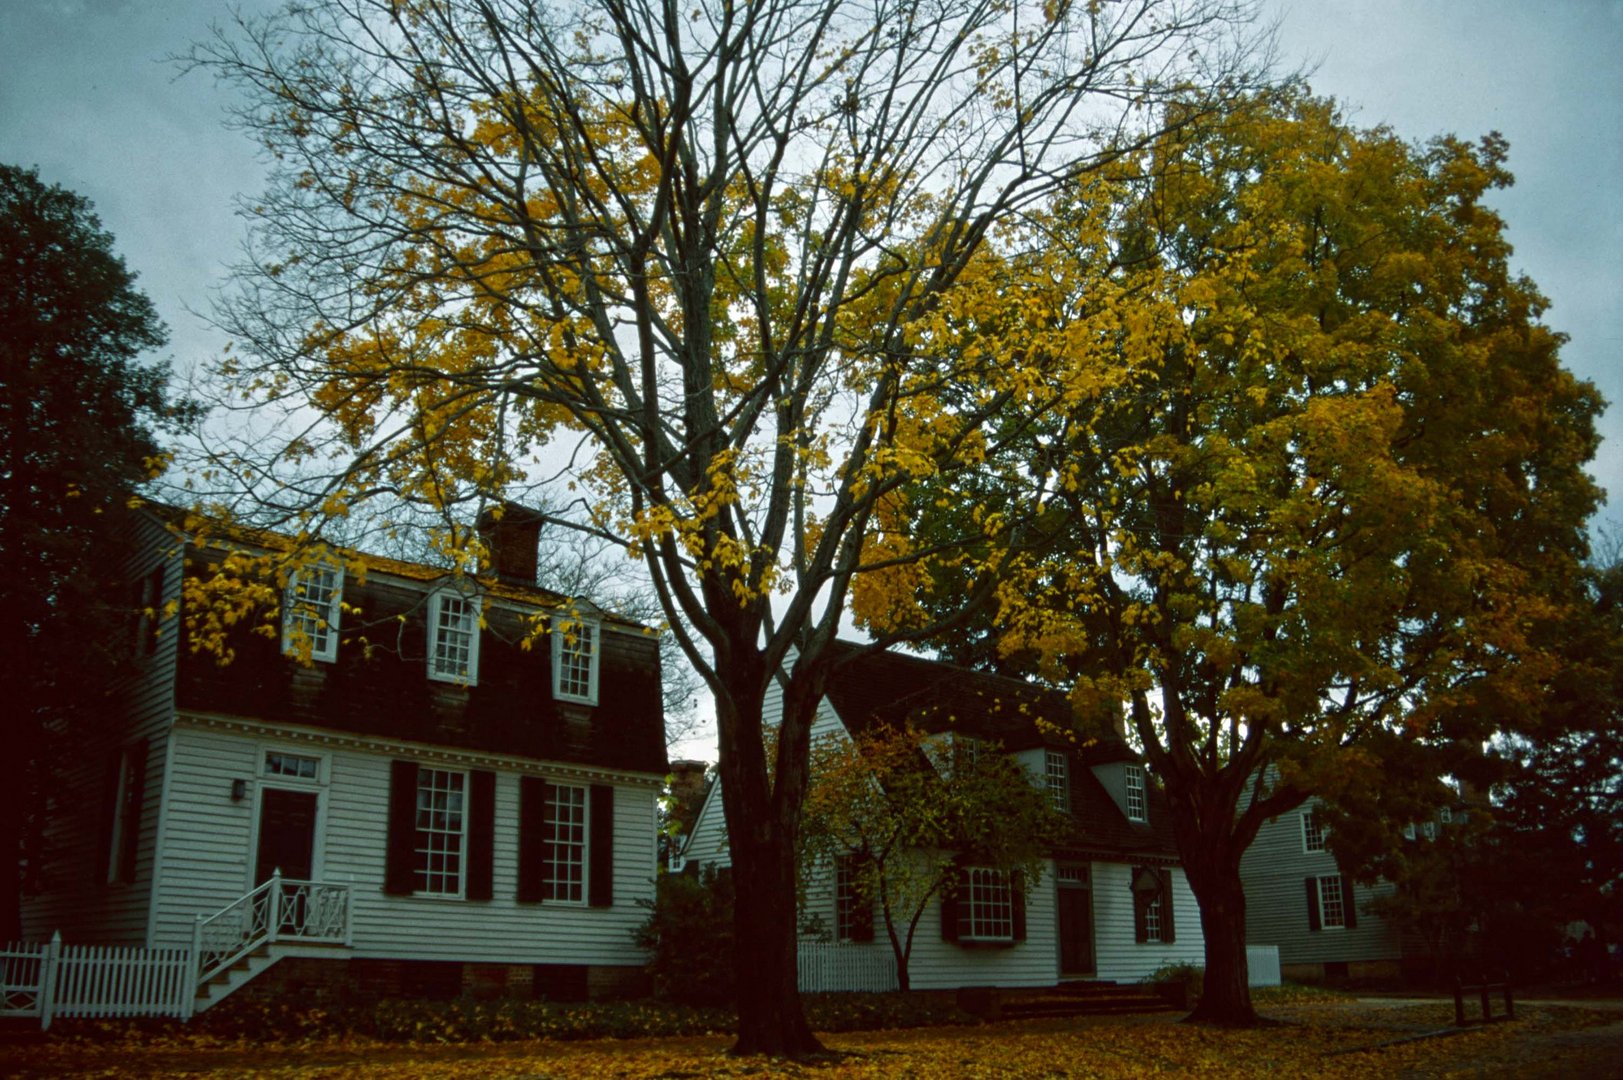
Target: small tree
{"type": "Point", "coordinates": [689, 937]}
{"type": "Point", "coordinates": [907, 814]}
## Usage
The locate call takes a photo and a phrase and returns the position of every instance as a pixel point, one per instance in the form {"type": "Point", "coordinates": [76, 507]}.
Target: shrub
{"type": "Point", "coordinates": [1191, 977]}
{"type": "Point", "coordinates": [689, 938]}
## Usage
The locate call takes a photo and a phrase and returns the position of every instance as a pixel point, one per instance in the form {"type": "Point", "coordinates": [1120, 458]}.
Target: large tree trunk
{"type": "Point", "coordinates": [770, 1018]}
{"type": "Point", "coordinates": [1226, 991]}
{"type": "Point", "coordinates": [761, 832]}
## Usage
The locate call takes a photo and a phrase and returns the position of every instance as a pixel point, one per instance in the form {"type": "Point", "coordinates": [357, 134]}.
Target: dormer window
{"type": "Point", "coordinates": [1136, 806]}
{"type": "Point", "coordinates": [453, 637]}
{"type": "Point", "coordinates": [310, 611]}
{"type": "Point", "coordinates": [1058, 773]}
{"type": "Point", "coordinates": [575, 651]}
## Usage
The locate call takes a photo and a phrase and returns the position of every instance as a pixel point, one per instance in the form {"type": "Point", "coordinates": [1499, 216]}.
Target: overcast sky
{"type": "Point", "coordinates": [88, 96]}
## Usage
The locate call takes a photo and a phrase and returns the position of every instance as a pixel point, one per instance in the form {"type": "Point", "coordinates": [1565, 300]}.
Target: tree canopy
{"type": "Point", "coordinates": [79, 415]}
{"type": "Point", "coordinates": [706, 262]}
{"type": "Point", "coordinates": [1330, 496]}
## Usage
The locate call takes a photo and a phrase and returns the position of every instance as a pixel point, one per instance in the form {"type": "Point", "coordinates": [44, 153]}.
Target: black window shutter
{"type": "Point", "coordinates": [862, 909]}
{"type": "Point", "coordinates": [1141, 912]}
{"type": "Point", "coordinates": [400, 857]}
{"type": "Point", "coordinates": [532, 821]}
{"type": "Point", "coordinates": [1347, 904]}
{"type": "Point", "coordinates": [1169, 930]}
{"type": "Point", "coordinates": [130, 836]}
{"type": "Point", "coordinates": [109, 817]}
{"type": "Point", "coordinates": [481, 835]}
{"type": "Point", "coordinates": [600, 848]}
{"type": "Point", "coordinates": [1313, 922]}
{"type": "Point", "coordinates": [1017, 903]}
{"type": "Point", "coordinates": [949, 904]}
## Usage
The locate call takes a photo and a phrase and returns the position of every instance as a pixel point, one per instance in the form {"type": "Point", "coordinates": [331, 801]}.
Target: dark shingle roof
{"type": "Point", "coordinates": [878, 689]}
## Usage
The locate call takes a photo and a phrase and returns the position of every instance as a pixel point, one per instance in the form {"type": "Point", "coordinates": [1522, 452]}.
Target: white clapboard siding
{"type": "Point", "coordinates": [1121, 958]}
{"type": "Point", "coordinates": [1274, 869]}
{"type": "Point", "coordinates": [209, 845]}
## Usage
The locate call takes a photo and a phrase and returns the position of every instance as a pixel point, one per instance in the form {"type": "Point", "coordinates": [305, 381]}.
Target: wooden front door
{"type": "Point", "coordinates": [1075, 922]}
{"type": "Point", "coordinates": [287, 835]}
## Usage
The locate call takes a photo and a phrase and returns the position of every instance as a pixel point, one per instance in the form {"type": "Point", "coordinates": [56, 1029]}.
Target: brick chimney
{"type": "Point", "coordinates": [512, 535]}
{"type": "Point", "coordinates": [688, 788]}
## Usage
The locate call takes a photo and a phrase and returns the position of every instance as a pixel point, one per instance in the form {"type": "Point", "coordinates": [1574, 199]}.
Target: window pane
{"type": "Point", "coordinates": [575, 650]}
{"type": "Point", "coordinates": [988, 909]}
{"type": "Point", "coordinates": [1059, 781]}
{"type": "Point", "coordinates": [1135, 793]}
{"type": "Point", "coordinates": [1332, 909]}
{"type": "Point", "coordinates": [456, 623]}
{"type": "Point", "coordinates": [295, 765]}
{"type": "Point", "coordinates": [845, 898]}
{"type": "Point", "coordinates": [312, 611]}
{"type": "Point", "coordinates": [566, 828]}
{"type": "Point", "coordinates": [439, 831]}
{"type": "Point", "coordinates": [1312, 832]}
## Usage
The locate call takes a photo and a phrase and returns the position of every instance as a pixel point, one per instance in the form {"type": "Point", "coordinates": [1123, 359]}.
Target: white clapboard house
{"type": "Point", "coordinates": [1112, 903]}
{"type": "Point", "coordinates": [434, 802]}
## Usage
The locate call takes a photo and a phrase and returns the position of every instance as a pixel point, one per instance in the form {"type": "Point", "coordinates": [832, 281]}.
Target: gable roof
{"type": "Point", "coordinates": [872, 689]}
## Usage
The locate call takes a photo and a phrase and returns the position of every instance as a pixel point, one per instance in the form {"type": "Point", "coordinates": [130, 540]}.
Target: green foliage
{"type": "Point", "coordinates": [689, 937]}
{"type": "Point", "coordinates": [1190, 976]}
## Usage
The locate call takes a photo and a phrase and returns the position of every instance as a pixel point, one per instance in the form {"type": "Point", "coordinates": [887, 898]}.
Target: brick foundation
{"type": "Point", "coordinates": [324, 982]}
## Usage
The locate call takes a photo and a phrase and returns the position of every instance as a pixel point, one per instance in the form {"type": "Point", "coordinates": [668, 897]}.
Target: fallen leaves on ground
{"type": "Point", "coordinates": [1318, 1039]}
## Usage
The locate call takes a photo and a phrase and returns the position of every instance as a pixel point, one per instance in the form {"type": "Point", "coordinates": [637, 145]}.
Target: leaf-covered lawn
{"type": "Point", "coordinates": [1335, 1039]}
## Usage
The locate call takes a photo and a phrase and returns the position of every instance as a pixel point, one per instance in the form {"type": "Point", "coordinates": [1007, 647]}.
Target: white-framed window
{"type": "Point", "coordinates": [575, 650]}
{"type": "Point", "coordinates": [453, 637]}
{"type": "Point", "coordinates": [1057, 771]}
{"type": "Point", "coordinates": [1312, 832]}
{"type": "Point", "coordinates": [1332, 904]}
{"type": "Point", "coordinates": [288, 766]}
{"type": "Point", "coordinates": [310, 612]}
{"type": "Point", "coordinates": [1409, 831]}
{"type": "Point", "coordinates": [1136, 806]}
{"type": "Point", "coordinates": [845, 898]}
{"type": "Point", "coordinates": [986, 908]}
{"type": "Point", "coordinates": [566, 828]}
{"type": "Point", "coordinates": [1152, 919]}
{"type": "Point", "coordinates": [1430, 829]}
{"type": "Point", "coordinates": [1446, 815]}
{"type": "Point", "coordinates": [442, 831]}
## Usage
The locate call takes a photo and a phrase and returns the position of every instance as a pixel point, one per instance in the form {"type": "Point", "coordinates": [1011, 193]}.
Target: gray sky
{"type": "Point", "coordinates": [86, 95]}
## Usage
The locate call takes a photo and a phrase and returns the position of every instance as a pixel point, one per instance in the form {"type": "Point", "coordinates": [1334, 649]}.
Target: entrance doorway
{"type": "Point", "coordinates": [287, 835]}
{"type": "Point", "coordinates": [1075, 888]}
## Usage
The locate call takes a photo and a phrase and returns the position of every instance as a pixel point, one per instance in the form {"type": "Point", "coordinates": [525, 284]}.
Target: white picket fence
{"type": "Point", "coordinates": [122, 980]}
{"type": "Point", "coordinates": [94, 981]}
{"type": "Point", "coordinates": [827, 967]}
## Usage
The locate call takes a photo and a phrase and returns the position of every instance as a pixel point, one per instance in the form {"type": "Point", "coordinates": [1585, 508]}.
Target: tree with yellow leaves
{"type": "Point", "coordinates": [721, 249]}
{"type": "Point", "coordinates": [1334, 485]}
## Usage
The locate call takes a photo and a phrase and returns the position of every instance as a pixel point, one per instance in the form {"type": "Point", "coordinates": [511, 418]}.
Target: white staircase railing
{"type": "Point", "coordinates": [280, 909]}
